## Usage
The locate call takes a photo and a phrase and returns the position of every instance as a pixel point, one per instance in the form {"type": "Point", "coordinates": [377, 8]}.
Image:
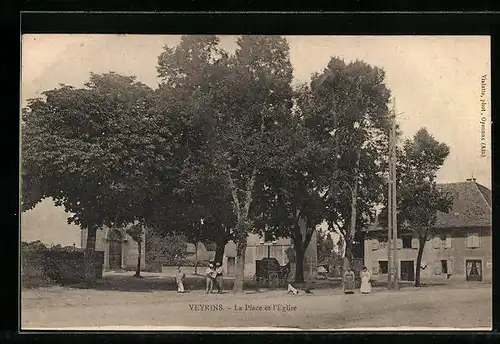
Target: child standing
{"type": "Point", "coordinates": [179, 278]}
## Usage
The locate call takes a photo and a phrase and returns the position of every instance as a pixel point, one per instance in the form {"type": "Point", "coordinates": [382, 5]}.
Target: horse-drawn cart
{"type": "Point", "coordinates": [268, 270]}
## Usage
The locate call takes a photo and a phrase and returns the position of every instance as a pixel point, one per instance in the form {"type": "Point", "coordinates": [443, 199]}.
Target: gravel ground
{"type": "Point", "coordinates": [432, 307]}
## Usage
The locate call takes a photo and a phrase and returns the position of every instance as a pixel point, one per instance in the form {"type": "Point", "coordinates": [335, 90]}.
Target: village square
{"type": "Point", "coordinates": [255, 182]}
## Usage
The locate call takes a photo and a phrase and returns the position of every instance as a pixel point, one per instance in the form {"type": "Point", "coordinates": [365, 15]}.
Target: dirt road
{"type": "Point", "coordinates": [325, 309]}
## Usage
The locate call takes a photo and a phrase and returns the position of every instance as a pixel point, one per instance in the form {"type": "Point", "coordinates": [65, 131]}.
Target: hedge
{"type": "Point", "coordinates": [56, 264]}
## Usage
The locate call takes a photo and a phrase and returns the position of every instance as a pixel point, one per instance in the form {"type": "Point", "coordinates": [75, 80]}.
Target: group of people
{"type": "Point", "coordinates": [213, 278]}
{"type": "Point", "coordinates": [349, 281]}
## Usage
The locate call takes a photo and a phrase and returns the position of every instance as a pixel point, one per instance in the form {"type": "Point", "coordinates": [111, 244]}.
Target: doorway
{"type": "Point", "coordinates": [231, 266]}
{"type": "Point", "coordinates": [407, 270]}
{"type": "Point", "coordinates": [473, 270]}
{"type": "Point", "coordinates": [115, 250]}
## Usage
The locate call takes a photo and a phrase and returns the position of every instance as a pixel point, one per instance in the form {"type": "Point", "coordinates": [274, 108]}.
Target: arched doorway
{"type": "Point", "coordinates": [115, 249]}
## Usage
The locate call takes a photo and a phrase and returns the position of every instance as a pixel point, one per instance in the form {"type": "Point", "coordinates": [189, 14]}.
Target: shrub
{"type": "Point", "coordinates": [165, 250]}
{"type": "Point", "coordinates": [57, 264]}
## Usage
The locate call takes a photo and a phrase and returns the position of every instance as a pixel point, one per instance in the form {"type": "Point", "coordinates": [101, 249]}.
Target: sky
{"type": "Point", "coordinates": [435, 80]}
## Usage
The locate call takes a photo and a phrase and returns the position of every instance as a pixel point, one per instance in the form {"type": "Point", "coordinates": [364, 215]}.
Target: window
{"type": "Point", "coordinates": [383, 268]}
{"type": "Point", "coordinates": [444, 266]}
{"type": "Point", "coordinates": [268, 237]}
{"type": "Point", "coordinates": [472, 240]}
{"type": "Point", "coordinates": [406, 241]}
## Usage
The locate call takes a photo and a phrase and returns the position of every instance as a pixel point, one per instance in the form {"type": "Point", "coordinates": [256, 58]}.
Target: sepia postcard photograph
{"type": "Point", "coordinates": [255, 182]}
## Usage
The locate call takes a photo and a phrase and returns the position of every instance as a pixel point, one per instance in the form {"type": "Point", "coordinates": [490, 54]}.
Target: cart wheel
{"type": "Point", "coordinates": [274, 280]}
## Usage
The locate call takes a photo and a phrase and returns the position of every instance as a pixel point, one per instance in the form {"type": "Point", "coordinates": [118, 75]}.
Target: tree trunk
{"type": "Point", "coordinates": [240, 266]}
{"type": "Point", "coordinates": [299, 264]}
{"type": "Point", "coordinates": [348, 254]}
{"type": "Point", "coordinates": [196, 258]}
{"type": "Point", "coordinates": [219, 250]}
{"type": "Point", "coordinates": [419, 260]}
{"type": "Point", "coordinates": [138, 269]}
{"type": "Point", "coordinates": [89, 255]}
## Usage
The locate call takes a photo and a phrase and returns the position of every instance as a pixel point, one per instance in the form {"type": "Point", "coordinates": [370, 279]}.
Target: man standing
{"type": "Point", "coordinates": [218, 272]}
{"type": "Point", "coordinates": [209, 272]}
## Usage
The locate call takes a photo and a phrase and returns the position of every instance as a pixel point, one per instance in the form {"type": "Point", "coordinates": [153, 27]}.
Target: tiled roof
{"type": "Point", "coordinates": [471, 207]}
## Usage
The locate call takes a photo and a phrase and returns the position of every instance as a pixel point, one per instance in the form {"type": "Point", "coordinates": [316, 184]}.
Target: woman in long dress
{"type": "Point", "coordinates": [348, 281]}
{"type": "Point", "coordinates": [366, 286]}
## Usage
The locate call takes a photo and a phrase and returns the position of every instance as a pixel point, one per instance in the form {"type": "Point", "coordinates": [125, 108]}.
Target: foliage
{"type": "Point", "coordinates": [136, 232]}
{"type": "Point", "coordinates": [169, 249]}
{"type": "Point", "coordinates": [418, 197]}
{"type": "Point", "coordinates": [325, 247]}
{"type": "Point", "coordinates": [79, 145]}
{"type": "Point", "coordinates": [232, 107]}
{"type": "Point", "coordinates": [345, 110]}
{"type": "Point", "coordinates": [101, 151]}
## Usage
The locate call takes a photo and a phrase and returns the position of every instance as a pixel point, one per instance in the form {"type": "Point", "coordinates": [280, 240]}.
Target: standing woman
{"type": "Point", "coordinates": [366, 286]}
{"type": "Point", "coordinates": [348, 281]}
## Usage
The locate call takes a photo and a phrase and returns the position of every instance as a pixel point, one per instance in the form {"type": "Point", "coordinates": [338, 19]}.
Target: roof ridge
{"type": "Point", "coordinates": [482, 195]}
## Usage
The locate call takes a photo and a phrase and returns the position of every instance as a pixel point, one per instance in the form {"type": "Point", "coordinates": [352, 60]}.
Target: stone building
{"type": "Point", "coordinates": [460, 250]}
{"type": "Point", "coordinates": [120, 250]}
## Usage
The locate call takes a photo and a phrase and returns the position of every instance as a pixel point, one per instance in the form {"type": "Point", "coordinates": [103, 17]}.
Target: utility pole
{"type": "Point", "coordinates": [394, 199]}
{"type": "Point", "coordinates": [389, 217]}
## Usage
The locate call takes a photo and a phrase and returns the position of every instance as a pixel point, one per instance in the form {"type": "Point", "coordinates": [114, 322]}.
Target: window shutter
{"type": "Point", "coordinates": [375, 269]}
{"type": "Point", "coordinates": [448, 241]}
{"type": "Point", "coordinates": [476, 240]}
{"type": "Point", "coordinates": [468, 240]}
{"type": "Point", "coordinates": [400, 244]}
{"type": "Point", "coordinates": [436, 241]}
{"type": "Point", "coordinates": [375, 244]}
{"type": "Point", "coordinates": [437, 268]}
{"type": "Point", "coordinates": [450, 267]}
{"type": "Point", "coordinates": [414, 243]}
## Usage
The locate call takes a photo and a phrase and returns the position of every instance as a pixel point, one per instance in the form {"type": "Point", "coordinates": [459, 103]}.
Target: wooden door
{"type": "Point", "coordinates": [407, 270]}
{"type": "Point", "coordinates": [473, 270]}
{"type": "Point", "coordinates": [115, 250]}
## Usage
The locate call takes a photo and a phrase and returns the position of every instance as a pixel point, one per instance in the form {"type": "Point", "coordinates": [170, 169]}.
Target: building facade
{"type": "Point", "coordinates": [459, 250]}
{"type": "Point", "coordinates": [260, 246]}
{"type": "Point", "coordinates": [120, 250]}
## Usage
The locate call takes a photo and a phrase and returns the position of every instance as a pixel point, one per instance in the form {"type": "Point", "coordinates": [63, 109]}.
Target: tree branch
{"type": "Point", "coordinates": [234, 194]}
{"type": "Point", "coordinates": [307, 238]}
{"type": "Point", "coordinates": [249, 190]}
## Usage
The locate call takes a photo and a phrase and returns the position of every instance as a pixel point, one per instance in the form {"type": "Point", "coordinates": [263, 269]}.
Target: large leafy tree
{"type": "Point", "coordinates": [250, 122]}
{"type": "Point", "coordinates": [96, 151]}
{"type": "Point", "coordinates": [419, 198]}
{"type": "Point", "coordinates": [345, 110]}
{"type": "Point", "coordinates": [190, 75]}
{"type": "Point", "coordinates": [287, 202]}
{"type": "Point", "coordinates": [233, 107]}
